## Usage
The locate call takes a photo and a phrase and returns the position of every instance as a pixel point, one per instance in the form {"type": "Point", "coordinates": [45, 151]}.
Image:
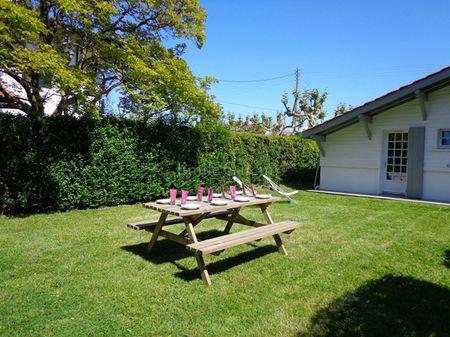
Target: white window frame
{"type": "Point", "coordinates": [439, 138]}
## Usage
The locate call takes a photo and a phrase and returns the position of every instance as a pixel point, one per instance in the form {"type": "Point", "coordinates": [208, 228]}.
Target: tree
{"type": "Point", "coordinates": [86, 49]}
{"type": "Point", "coordinates": [307, 107]}
{"type": "Point", "coordinates": [342, 108]}
{"type": "Point", "coordinates": [259, 124]}
{"type": "Point", "coordinates": [311, 104]}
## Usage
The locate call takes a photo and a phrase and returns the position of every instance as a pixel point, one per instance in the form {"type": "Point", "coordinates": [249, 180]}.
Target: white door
{"type": "Point", "coordinates": [396, 161]}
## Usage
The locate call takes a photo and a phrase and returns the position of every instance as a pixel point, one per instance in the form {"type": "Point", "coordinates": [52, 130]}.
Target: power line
{"type": "Point", "coordinates": [239, 90]}
{"type": "Point", "coordinates": [249, 106]}
{"type": "Point", "coordinates": [328, 72]}
{"type": "Point", "coordinates": [362, 73]}
{"type": "Point", "coordinates": [303, 78]}
{"type": "Point", "coordinates": [259, 80]}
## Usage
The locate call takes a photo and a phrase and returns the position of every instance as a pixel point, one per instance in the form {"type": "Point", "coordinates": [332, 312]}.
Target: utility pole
{"type": "Point", "coordinates": [293, 112]}
{"type": "Point", "coordinates": [296, 95]}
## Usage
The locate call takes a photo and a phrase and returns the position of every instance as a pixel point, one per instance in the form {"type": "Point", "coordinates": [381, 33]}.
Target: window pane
{"type": "Point", "coordinates": [396, 168]}
{"type": "Point", "coordinates": [398, 145]}
{"type": "Point", "coordinates": [398, 136]}
{"type": "Point", "coordinates": [397, 161]}
{"type": "Point", "coordinates": [391, 137]}
{"type": "Point", "coordinates": [444, 137]}
{"type": "Point", "coordinates": [405, 153]}
{"type": "Point", "coordinates": [404, 161]}
{"type": "Point", "coordinates": [391, 145]}
{"type": "Point", "coordinates": [398, 153]}
{"type": "Point", "coordinates": [404, 169]}
{"type": "Point", "coordinates": [405, 145]}
{"type": "Point", "coordinates": [405, 136]}
{"type": "Point", "coordinates": [390, 153]}
{"type": "Point", "coordinates": [389, 168]}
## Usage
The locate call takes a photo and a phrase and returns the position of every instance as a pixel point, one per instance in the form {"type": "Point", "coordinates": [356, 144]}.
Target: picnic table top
{"type": "Point", "coordinates": [206, 207]}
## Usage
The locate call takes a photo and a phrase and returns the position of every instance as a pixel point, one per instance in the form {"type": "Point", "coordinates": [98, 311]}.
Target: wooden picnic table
{"type": "Point", "coordinates": [229, 213]}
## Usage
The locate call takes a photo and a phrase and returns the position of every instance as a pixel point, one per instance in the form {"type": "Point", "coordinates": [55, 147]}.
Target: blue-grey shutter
{"type": "Point", "coordinates": [416, 147]}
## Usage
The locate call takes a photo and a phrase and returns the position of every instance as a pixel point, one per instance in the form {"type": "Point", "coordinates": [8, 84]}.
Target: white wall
{"type": "Point", "coordinates": [353, 163]}
{"type": "Point", "coordinates": [349, 179]}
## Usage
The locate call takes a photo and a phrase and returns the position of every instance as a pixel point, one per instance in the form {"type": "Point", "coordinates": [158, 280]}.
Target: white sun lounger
{"type": "Point", "coordinates": [280, 191]}
{"type": "Point", "coordinates": [239, 182]}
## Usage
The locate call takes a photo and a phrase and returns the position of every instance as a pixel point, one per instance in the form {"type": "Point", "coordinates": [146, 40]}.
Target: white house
{"type": "Point", "coordinates": [11, 85]}
{"type": "Point", "coordinates": [396, 144]}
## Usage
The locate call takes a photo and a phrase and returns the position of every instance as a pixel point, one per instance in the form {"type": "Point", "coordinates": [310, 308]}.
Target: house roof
{"type": "Point", "coordinates": [403, 94]}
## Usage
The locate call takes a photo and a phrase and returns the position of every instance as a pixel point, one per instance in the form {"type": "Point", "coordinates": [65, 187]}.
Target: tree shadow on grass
{"type": "Point", "coordinates": [166, 251]}
{"type": "Point", "coordinates": [390, 306]}
{"type": "Point", "coordinates": [225, 264]}
{"type": "Point", "coordinates": [447, 258]}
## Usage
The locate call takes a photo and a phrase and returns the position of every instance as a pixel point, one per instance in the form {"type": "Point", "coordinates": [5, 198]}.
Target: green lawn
{"type": "Point", "coordinates": [358, 267]}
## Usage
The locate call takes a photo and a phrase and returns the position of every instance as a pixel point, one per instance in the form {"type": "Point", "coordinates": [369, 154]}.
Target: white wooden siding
{"type": "Point", "coordinates": [349, 179]}
{"type": "Point", "coordinates": [353, 163]}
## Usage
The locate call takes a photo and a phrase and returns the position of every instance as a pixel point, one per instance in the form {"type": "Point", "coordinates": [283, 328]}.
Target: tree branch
{"type": "Point", "coordinates": [284, 128]}
{"type": "Point", "coordinates": [114, 25]}
{"type": "Point", "coordinates": [6, 103]}
{"type": "Point", "coordinates": [3, 91]}
{"type": "Point", "coordinates": [24, 84]}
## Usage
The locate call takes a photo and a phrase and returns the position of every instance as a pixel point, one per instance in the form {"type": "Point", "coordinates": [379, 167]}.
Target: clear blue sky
{"type": "Point", "coordinates": [356, 50]}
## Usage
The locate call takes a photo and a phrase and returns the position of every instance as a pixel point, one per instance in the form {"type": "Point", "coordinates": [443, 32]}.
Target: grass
{"type": "Point", "coordinates": [359, 267]}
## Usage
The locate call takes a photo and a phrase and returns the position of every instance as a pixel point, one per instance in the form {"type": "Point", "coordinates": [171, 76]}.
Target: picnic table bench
{"type": "Point", "coordinates": [231, 240]}
{"type": "Point", "coordinates": [229, 213]}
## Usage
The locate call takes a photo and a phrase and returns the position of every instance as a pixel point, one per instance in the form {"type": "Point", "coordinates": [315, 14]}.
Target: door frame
{"type": "Point", "coordinates": [383, 164]}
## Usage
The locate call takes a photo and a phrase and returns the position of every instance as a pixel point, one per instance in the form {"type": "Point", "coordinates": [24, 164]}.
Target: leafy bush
{"type": "Point", "coordinates": [59, 163]}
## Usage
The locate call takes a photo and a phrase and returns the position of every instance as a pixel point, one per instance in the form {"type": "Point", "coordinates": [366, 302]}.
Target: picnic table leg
{"type": "Point", "coordinates": [230, 222]}
{"type": "Point", "coordinates": [156, 231]}
{"type": "Point", "coordinates": [202, 268]}
{"type": "Point", "coordinates": [190, 230]}
{"type": "Point", "coordinates": [198, 256]}
{"type": "Point", "coordinates": [228, 227]}
{"type": "Point", "coordinates": [194, 222]}
{"type": "Point", "coordinates": [268, 217]}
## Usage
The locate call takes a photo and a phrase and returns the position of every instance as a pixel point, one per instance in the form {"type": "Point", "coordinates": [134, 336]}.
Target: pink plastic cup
{"type": "Point", "coordinates": [244, 191]}
{"type": "Point", "coordinates": [233, 191]}
{"type": "Point", "coordinates": [200, 193]}
{"type": "Point", "coordinates": [173, 195]}
{"type": "Point", "coordinates": [210, 194]}
{"type": "Point", "coordinates": [254, 190]}
{"type": "Point", "coordinates": [184, 195]}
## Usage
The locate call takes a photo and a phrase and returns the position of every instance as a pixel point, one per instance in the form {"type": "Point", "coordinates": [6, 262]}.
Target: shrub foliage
{"type": "Point", "coordinates": [60, 163]}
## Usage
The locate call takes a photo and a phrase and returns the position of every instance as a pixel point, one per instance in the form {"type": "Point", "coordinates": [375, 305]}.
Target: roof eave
{"type": "Point", "coordinates": [400, 96]}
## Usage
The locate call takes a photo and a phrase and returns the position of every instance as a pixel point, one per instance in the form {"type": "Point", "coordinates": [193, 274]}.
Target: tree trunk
{"type": "Point", "coordinates": [2, 203]}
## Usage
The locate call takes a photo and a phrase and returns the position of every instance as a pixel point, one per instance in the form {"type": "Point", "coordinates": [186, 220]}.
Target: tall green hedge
{"type": "Point", "coordinates": [59, 163]}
